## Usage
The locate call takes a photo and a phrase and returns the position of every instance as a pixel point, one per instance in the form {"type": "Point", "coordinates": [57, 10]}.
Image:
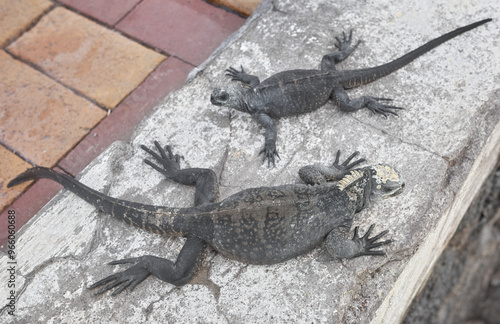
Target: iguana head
{"type": "Point", "coordinates": [373, 184]}
{"type": "Point", "coordinates": [231, 97]}
{"type": "Point", "coordinates": [385, 182]}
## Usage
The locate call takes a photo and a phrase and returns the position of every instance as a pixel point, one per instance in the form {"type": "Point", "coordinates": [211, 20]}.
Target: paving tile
{"type": "Point", "coordinates": [10, 166]}
{"type": "Point", "coordinates": [39, 117]}
{"type": "Point", "coordinates": [119, 125]}
{"type": "Point", "coordinates": [16, 16]}
{"type": "Point", "coordinates": [25, 207]}
{"type": "Point", "coordinates": [100, 63]}
{"type": "Point", "coordinates": [107, 11]}
{"type": "Point", "coordinates": [245, 7]}
{"type": "Point", "coordinates": [188, 29]}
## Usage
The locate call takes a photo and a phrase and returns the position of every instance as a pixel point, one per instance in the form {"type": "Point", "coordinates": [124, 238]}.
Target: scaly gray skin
{"type": "Point", "coordinates": [260, 226]}
{"type": "Point", "coordinates": [300, 91]}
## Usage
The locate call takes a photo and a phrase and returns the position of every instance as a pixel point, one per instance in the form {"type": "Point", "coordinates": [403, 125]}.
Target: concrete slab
{"type": "Point", "coordinates": [444, 144]}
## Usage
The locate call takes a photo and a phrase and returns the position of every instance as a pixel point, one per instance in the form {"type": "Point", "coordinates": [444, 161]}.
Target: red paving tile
{"type": "Point", "coordinates": [188, 29]}
{"type": "Point", "coordinates": [107, 11]}
{"type": "Point", "coordinates": [119, 125]}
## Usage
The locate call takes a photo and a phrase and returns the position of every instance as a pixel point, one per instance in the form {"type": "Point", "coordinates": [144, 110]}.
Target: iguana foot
{"type": "Point", "coordinates": [169, 161]}
{"type": "Point", "coordinates": [124, 279]}
{"type": "Point", "coordinates": [270, 152]}
{"type": "Point", "coordinates": [366, 244]}
{"type": "Point", "coordinates": [344, 44]}
{"type": "Point", "coordinates": [373, 103]}
{"type": "Point", "coordinates": [242, 76]}
{"type": "Point", "coordinates": [345, 167]}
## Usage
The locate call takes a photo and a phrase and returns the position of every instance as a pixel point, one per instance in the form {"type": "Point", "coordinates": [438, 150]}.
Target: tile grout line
{"type": "Point", "coordinates": [114, 29]}
{"type": "Point", "coordinates": [127, 13]}
{"type": "Point", "coordinates": [40, 70]}
{"type": "Point", "coordinates": [30, 26]}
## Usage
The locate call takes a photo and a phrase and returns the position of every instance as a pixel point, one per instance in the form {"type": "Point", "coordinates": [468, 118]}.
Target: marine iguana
{"type": "Point", "coordinates": [264, 225]}
{"type": "Point", "coordinates": [296, 92]}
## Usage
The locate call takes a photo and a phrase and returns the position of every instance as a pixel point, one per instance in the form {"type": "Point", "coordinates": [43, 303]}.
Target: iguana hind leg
{"type": "Point", "coordinates": [342, 100]}
{"type": "Point", "coordinates": [192, 253]}
{"type": "Point", "coordinates": [179, 273]}
{"type": "Point", "coordinates": [344, 50]}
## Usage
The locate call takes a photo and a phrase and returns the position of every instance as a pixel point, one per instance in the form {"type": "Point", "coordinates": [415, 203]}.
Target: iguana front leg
{"type": "Point", "coordinates": [373, 103]}
{"type": "Point", "coordinates": [191, 256]}
{"type": "Point", "coordinates": [319, 174]}
{"type": "Point", "coordinates": [344, 50]}
{"type": "Point", "coordinates": [340, 246]}
{"type": "Point", "coordinates": [270, 137]}
{"type": "Point", "coordinates": [241, 76]}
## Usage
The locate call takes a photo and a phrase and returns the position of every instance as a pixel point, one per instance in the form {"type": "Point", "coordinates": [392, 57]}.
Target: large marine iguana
{"type": "Point", "coordinates": [260, 226]}
{"type": "Point", "coordinates": [296, 92]}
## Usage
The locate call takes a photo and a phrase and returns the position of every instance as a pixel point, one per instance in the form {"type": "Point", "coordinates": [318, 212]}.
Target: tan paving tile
{"type": "Point", "coordinates": [16, 16]}
{"type": "Point", "coordinates": [40, 118]}
{"type": "Point", "coordinates": [100, 63]}
{"type": "Point", "coordinates": [10, 166]}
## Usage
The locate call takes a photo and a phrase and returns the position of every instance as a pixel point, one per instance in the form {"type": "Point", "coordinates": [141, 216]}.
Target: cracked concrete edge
{"type": "Point", "coordinates": [419, 268]}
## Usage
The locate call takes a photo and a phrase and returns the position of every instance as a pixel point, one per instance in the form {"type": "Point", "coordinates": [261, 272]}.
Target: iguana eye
{"type": "Point", "coordinates": [224, 96]}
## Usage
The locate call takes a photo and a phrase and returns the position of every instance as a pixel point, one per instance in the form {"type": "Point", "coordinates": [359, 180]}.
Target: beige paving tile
{"type": "Point", "coordinates": [10, 166]}
{"type": "Point", "coordinates": [100, 63]}
{"type": "Point", "coordinates": [40, 118]}
{"type": "Point", "coordinates": [17, 15]}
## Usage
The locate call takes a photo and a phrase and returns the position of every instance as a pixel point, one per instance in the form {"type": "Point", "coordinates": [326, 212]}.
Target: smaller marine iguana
{"type": "Point", "coordinates": [259, 226]}
{"type": "Point", "coordinates": [296, 92]}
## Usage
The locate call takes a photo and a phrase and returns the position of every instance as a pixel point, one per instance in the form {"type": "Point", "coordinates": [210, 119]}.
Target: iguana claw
{"type": "Point", "coordinates": [269, 153]}
{"type": "Point", "coordinates": [124, 279]}
{"type": "Point", "coordinates": [373, 103]}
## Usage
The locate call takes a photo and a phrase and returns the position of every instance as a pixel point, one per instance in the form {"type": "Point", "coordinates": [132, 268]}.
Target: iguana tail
{"type": "Point", "coordinates": [365, 76]}
{"type": "Point", "coordinates": [161, 220]}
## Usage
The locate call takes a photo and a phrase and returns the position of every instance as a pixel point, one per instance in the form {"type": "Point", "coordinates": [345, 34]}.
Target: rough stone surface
{"type": "Point", "coordinates": [98, 62]}
{"type": "Point", "coordinates": [445, 144]}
